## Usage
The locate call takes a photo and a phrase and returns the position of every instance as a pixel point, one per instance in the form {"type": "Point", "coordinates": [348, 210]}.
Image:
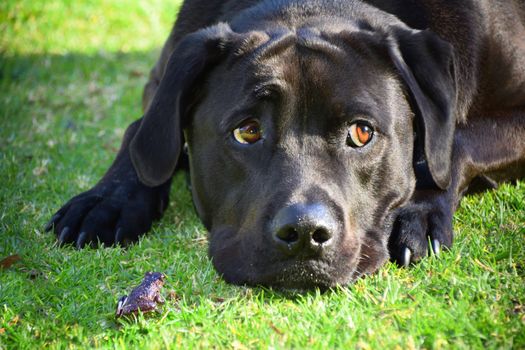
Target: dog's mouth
{"type": "Point", "coordinates": [307, 275]}
{"type": "Point", "coordinates": [246, 262]}
{"type": "Point", "coordinates": [300, 275]}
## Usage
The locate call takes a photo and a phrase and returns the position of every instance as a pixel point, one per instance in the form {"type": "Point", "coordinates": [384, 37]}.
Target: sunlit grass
{"type": "Point", "coordinates": [61, 27]}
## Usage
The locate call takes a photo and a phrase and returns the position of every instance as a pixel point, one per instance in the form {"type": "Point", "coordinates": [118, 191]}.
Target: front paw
{"type": "Point", "coordinates": [110, 213]}
{"type": "Point", "coordinates": [419, 230]}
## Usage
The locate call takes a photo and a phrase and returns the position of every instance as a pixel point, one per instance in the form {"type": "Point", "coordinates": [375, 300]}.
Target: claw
{"type": "Point", "coordinates": [436, 247]}
{"type": "Point", "coordinates": [51, 222]}
{"type": "Point", "coordinates": [63, 236]}
{"type": "Point", "coordinates": [81, 240]}
{"type": "Point", "coordinates": [120, 305]}
{"type": "Point", "coordinates": [406, 257]}
{"type": "Point", "coordinates": [118, 236]}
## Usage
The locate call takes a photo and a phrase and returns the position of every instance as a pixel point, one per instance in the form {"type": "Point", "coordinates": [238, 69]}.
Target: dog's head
{"type": "Point", "coordinates": [302, 142]}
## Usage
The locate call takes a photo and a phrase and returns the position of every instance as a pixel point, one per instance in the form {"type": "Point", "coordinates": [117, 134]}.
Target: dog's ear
{"type": "Point", "coordinates": [155, 148]}
{"type": "Point", "coordinates": [426, 64]}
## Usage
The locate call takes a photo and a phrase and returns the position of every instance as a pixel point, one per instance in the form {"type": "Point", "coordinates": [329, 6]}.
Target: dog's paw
{"type": "Point", "coordinates": [109, 213]}
{"type": "Point", "coordinates": [419, 230]}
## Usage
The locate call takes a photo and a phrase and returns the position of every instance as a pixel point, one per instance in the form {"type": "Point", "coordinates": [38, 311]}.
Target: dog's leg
{"type": "Point", "coordinates": [117, 210]}
{"type": "Point", "coordinates": [157, 71]}
{"type": "Point", "coordinates": [487, 150]}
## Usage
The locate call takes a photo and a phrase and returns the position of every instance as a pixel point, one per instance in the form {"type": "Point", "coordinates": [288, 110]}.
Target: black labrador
{"type": "Point", "coordinates": [321, 137]}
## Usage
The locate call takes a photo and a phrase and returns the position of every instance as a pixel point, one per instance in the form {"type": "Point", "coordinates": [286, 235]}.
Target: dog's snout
{"type": "Point", "coordinates": [304, 229]}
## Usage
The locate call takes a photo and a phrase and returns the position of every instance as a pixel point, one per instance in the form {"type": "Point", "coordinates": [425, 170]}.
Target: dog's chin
{"type": "Point", "coordinates": [308, 275]}
{"type": "Point", "coordinates": [300, 275]}
{"type": "Point", "coordinates": [238, 264]}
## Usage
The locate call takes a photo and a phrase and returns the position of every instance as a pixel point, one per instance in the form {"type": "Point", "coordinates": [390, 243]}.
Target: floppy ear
{"type": "Point", "coordinates": [156, 146]}
{"type": "Point", "coordinates": [426, 64]}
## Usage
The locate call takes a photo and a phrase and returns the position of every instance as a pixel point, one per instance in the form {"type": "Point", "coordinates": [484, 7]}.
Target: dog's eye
{"type": "Point", "coordinates": [359, 134]}
{"type": "Point", "coordinates": [248, 132]}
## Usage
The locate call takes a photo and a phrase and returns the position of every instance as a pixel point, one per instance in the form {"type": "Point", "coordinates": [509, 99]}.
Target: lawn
{"type": "Point", "coordinates": [71, 78]}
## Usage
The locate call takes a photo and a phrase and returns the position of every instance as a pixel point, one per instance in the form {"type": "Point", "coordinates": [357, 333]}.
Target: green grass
{"type": "Point", "coordinates": [71, 77]}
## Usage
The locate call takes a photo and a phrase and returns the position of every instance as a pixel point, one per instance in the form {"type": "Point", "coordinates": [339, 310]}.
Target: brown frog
{"type": "Point", "coordinates": [145, 297]}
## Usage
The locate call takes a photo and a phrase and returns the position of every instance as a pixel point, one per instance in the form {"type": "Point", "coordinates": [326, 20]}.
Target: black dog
{"type": "Point", "coordinates": [323, 137]}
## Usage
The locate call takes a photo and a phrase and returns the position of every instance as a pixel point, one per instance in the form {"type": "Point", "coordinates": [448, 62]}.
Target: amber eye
{"type": "Point", "coordinates": [248, 132]}
{"type": "Point", "coordinates": [359, 134]}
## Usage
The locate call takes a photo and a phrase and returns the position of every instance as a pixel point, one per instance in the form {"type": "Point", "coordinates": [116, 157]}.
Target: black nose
{"type": "Point", "coordinates": [306, 230]}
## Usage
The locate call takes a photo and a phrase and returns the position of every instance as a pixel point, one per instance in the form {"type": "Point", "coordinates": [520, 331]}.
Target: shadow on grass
{"type": "Point", "coordinates": [16, 68]}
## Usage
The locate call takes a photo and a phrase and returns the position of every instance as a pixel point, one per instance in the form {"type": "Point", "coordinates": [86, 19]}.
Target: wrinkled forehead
{"type": "Point", "coordinates": [319, 65]}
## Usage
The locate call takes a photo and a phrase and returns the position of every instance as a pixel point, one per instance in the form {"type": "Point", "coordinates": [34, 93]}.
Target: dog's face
{"type": "Point", "coordinates": [301, 147]}
{"type": "Point", "coordinates": [292, 162]}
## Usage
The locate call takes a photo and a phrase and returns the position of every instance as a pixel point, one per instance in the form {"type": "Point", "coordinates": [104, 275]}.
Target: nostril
{"type": "Point", "coordinates": [304, 230]}
{"type": "Point", "coordinates": [288, 234]}
{"type": "Point", "coordinates": [321, 236]}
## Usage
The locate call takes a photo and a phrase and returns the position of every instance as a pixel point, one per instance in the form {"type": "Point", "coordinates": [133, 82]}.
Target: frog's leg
{"type": "Point", "coordinates": [148, 306]}
{"type": "Point", "coordinates": [159, 299]}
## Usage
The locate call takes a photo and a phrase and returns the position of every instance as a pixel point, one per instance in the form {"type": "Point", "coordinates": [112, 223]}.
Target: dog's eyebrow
{"type": "Point", "coordinates": [265, 89]}
{"type": "Point", "coordinates": [268, 88]}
